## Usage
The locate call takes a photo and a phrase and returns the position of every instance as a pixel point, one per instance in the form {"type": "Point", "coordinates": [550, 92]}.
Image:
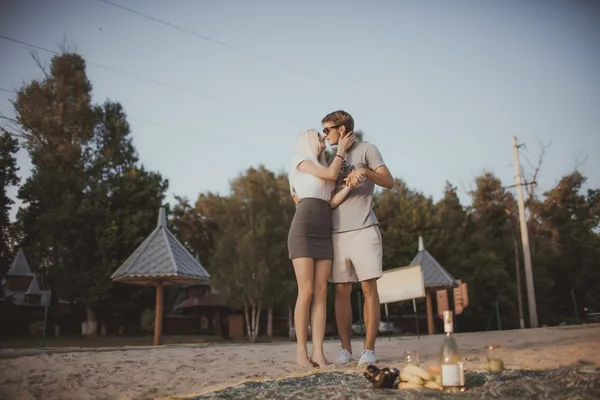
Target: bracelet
{"type": "Point", "coordinates": [337, 155]}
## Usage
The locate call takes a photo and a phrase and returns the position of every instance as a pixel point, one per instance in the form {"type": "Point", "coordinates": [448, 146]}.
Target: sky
{"type": "Point", "coordinates": [440, 87]}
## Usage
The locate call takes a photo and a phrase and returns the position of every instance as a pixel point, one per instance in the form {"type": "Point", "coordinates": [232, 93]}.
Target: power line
{"type": "Point", "coordinates": [7, 90]}
{"type": "Point", "coordinates": [139, 77]}
{"type": "Point", "coordinates": [214, 41]}
{"type": "Point", "coordinates": [132, 75]}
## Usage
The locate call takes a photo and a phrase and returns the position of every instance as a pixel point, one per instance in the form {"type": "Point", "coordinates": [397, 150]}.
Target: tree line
{"type": "Point", "coordinates": [90, 202]}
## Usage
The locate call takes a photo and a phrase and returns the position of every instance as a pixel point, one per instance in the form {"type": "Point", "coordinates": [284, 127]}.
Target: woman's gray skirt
{"type": "Point", "coordinates": [310, 233]}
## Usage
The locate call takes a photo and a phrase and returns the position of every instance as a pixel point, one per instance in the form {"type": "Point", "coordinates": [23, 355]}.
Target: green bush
{"type": "Point", "coordinates": [147, 320]}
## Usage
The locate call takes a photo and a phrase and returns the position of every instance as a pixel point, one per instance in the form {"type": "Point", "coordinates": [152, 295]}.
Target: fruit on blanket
{"type": "Point", "coordinates": [410, 378]}
{"type": "Point", "coordinates": [413, 377]}
{"type": "Point", "coordinates": [433, 385]}
{"type": "Point", "coordinates": [407, 385]}
{"type": "Point", "coordinates": [414, 370]}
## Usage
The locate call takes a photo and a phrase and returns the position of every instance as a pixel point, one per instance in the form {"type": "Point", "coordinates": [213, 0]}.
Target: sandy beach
{"type": "Point", "coordinates": [150, 373]}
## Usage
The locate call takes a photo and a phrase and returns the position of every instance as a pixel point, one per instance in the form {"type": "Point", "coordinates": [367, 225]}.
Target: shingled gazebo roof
{"type": "Point", "coordinates": [434, 275]}
{"type": "Point", "coordinates": [161, 258]}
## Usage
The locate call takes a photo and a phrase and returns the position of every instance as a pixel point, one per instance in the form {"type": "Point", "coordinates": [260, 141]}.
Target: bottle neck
{"type": "Point", "coordinates": [448, 321]}
{"type": "Point", "coordinates": [449, 328]}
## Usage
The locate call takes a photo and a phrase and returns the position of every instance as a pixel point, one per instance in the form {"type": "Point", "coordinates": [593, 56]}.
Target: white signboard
{"type": "Point", "coordinates": [401, 284]}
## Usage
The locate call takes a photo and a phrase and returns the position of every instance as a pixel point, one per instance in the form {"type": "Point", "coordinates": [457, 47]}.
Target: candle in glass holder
{"type": "Point", "coordinates": [412, 357]}
{"type": "Point", "coordinates": [494, 361]}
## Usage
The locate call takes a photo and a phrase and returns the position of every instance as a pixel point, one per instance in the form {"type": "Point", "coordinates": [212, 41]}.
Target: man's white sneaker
{"type": "Point", "coordinates": [344, 358]}
{"type": "Point", "coordinates": [367, 357]}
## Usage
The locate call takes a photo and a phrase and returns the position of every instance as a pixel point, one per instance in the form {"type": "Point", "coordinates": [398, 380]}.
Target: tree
{"type": "Point", "coordinates": [194, 230]}
{"type": "Point", "coordinates": [489, 255]}
{"type": "Point", "coordinates": [57, 120]}
{"type": "Point", "coordinates": [568, 222]}
{"type": "Point", "coordinates": [250, 260]}
{"type": "Point", "coordinates": [88, 201]}
{"type": "Point", "coordinates": [448, 240]}
{"type": "Point", "coordinates": [9, 146]}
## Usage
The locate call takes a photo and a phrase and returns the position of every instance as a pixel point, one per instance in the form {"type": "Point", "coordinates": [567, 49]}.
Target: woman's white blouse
{"type": "Point", "coordinates": [308, 185]}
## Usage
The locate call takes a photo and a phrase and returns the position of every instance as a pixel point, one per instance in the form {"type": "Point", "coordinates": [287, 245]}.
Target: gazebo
{"type": "Point", "coordinates": [161, 260]}
{"type": "Point", "coordinates": [435, 277]}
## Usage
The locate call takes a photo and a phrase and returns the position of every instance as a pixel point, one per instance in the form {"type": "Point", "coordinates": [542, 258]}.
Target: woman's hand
{"type": "Point", "coordinates": [345, 143]}
{"type": "Point", "coordinates": [353, 180]}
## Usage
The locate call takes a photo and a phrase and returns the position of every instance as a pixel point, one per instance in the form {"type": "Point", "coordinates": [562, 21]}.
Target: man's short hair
{"type": "Point", "coordinates": [340, 117]}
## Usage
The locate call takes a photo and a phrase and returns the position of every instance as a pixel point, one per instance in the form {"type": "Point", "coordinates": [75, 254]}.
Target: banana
{"type": "Point", "coordinates": [414, 370]}
{"type": "Point", "coordinates": [410, 378]}
{"type": "Point", "coordinates": [433, 385]}
{"type": "Point", "coordinates": [406, 385]}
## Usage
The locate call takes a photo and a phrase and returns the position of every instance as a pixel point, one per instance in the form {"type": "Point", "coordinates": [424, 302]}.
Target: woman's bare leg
{"type": "Point", "coordinates": [304, 269]}
{"type": "Point", "coordinates": [319, 309]}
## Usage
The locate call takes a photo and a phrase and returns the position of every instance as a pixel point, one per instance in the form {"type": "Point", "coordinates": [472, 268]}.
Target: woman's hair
{"type": "Point", "coordinates": [308, 146]}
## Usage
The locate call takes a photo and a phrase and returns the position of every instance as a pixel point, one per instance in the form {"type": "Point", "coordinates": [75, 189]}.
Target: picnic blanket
{"type": "Point", "coordinates": [579, 383]}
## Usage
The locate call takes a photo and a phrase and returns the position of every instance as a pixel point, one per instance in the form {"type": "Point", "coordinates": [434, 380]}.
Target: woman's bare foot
{"type": "Point", "coordinates": [304, 361]}
{"type": "Point", "coordinates": [319, 359]}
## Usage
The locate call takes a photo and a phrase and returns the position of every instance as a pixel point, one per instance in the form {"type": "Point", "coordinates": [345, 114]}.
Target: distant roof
{"type": "Point", "coordinates": [434, 275]}
{"type": "Point", "coordinates": [19, 299]}
{"type": "Point", "coordinates": [161, 258]}
{"type": "Point", "coordinates": [20, 266]}
{"type": "Point", "coordinates": [210, 298]}
{"type": "Point", "coordinates": [34, 287]}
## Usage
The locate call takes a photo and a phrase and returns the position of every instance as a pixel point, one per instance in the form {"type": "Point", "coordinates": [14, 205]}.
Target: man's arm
{"type": "Point", "coordinates": [381, 177]}
{"type": "Point", "coordinates": [376, 170]}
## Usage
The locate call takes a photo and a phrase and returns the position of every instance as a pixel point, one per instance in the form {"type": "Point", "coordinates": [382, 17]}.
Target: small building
{"type": "Point", "coordinates": [24, 301]}
{"type": "Point", "coordinates": [21, 286]}
{"type": "Point", "coordinates": [435, 277]}
{"type": "Point", "coordinates": [198, 309]}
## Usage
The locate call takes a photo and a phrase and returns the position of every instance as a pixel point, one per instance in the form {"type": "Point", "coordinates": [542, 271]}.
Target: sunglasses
{"type": "Point", "coordinates": [326, 130]}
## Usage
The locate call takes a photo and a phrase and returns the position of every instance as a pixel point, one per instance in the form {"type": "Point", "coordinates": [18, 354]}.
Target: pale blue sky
{"type": "Point", "coordinates": [439, 86]}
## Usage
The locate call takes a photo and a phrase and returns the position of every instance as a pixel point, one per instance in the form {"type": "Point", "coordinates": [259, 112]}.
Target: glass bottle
{"type": "Point", "coordinates": [450, 362]}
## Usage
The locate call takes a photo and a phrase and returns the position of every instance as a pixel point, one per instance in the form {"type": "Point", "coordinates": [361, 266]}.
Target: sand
{"type": "Point", "coordinates": [150, 373]}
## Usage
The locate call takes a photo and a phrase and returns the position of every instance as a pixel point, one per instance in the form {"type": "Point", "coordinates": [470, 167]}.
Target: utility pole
{"type": "Point", "coordinates": [518, 268]}
{"type": "Point", "coordinates": [533, 320]}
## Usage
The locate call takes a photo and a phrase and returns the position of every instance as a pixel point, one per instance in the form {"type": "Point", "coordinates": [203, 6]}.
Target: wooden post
{"type": "Point", "coordinates": [158, 318]}
{"type": "Point", "coordinates": [430, 327]}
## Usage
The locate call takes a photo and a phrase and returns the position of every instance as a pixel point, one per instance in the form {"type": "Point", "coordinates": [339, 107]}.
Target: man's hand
{"type": "Point", "coordinates": [295, 198]}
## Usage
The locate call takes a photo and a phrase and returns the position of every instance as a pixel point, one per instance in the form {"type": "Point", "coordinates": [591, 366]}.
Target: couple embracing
{"type": "Point", "coordinates": [334, 236]}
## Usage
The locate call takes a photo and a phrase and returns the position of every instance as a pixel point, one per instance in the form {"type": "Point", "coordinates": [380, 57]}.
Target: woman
{"type": "Point", "coordinates": [309, 239]}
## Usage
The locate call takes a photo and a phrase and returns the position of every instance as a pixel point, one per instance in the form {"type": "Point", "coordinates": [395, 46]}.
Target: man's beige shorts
{"type": "Point", "coordinates": [357, 255]}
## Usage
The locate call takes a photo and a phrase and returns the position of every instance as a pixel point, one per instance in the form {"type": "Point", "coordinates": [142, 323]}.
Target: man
{"type": "Point", "coordinates": [357, 244]}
